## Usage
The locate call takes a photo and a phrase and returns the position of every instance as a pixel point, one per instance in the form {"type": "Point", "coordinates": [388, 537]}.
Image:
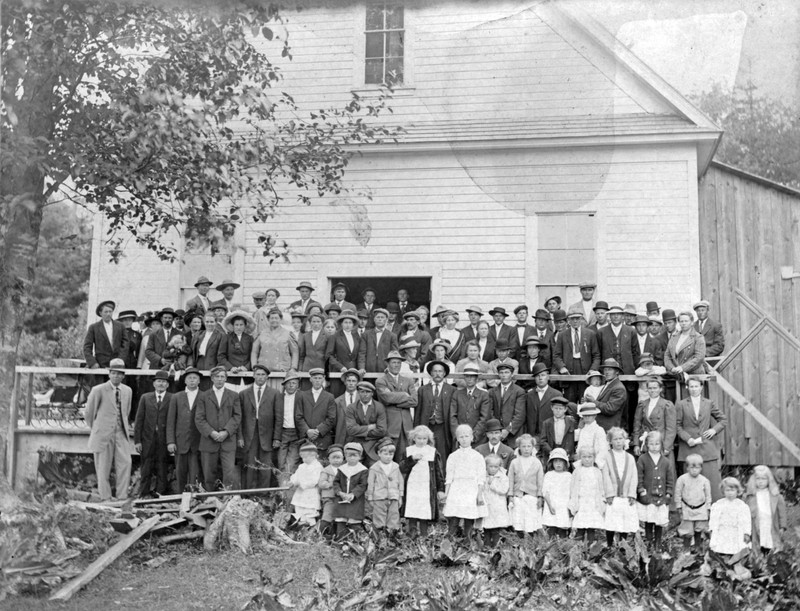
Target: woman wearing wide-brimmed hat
{"type": "Point", "coordinates": [409, 348]}
{"type": "Point", "coordinates": [236, 346]}
{"type": "Point", "coordinates": [411, 329]}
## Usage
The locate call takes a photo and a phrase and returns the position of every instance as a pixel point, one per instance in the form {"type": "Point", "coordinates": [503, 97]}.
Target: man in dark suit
{"type": "Point", "coordinates": [558, 431]}
{"type": "Point", "coordinates": [501, 330]}
{"type": "Point", "coordinates": [538, 401]}
{"type": "Point", "coordinates": [494, 431]}
{"type": "Point", "coordinates": [258, 434]}
{"type": "Point", "coordinates": [315, 412]}
{"type": "Point", "coordinates": [434, 405]}
{"type": "Point", "coordinates": [522, 329]}
{"type": "Point", "coordinates": [470, 332]}
{"type": "Point", "coordinates": [601, 316]}
{"type": "Point", "coordinates": [541, 322]}
{"type": "Point", "coordinates": [398, 394]}
{"type": "Point", "coordinates": [205, 345]}
{"type": "Point", "coordinates": [393, 324]}
{"type": "Point", "coordinates": [575, 353]}
{"type": "Point", "coordinates": [403, 303]}
{"type": "Point", "coordinates": [158, 340]}
{"type": "Point", "coordinates": [200, 302]}
{"type": "Point", "coordinates": [305, 302]}
{"type": "Point", "coordinates": [106, 339]}
{"type": "Point", "coordinates": [313, 345]}
{"type": "Point", "coordinates": [534, 347]}
{"type": "Point", "coordinates": [646, 342]}
{"type": "Point", "coordinates": [150, 435]}
{"type": "Point", "coordinates": [366, 422]}
{"type": "Point", "coordinates": [218, 418]}
{"type": "Point", "coordinates": [613, 399]}
{"type": "Point", "coordinates": [131, 357]}
{"type": "Point", "coordinates": [617, 342]}
{"type": "Point", "coordinates": [711, 330]}
{"type": "Point", "coordinates": [368, 305]}
{"type": "Point", "coordinates": [470, 405]}
{"type": "Point", "coordinates": [183, 437]}
{"type": "Point", "coordinates": [350, 378]}
{"type": "Point", "coordinates": [508, 404]}
{"type": "Point", "coordinates": [339, 291]}
{"type": "Point", "coordinates": [376, 345]}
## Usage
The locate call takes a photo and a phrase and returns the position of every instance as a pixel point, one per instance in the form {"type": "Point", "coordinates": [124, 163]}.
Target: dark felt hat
{"type": "Point", "coordinates": [493, 425]}
{"type": "Point", "coordinates": [539, 368]}
{"type": "Point", "coordinates": [600, 305]}
{"type": "Point", "coordinates": [559, 315]}
{"type": "Point", "coordinates": [542, 314]}
{"type": "Point", "coordinates": [498, 310]}
{"type": "Point", "coordinates": [668, 315]}
{"type": "Point", "coordinates": [161, 375]}
{"type": "Point", "coordinates": [520, 307]}
{"type": "Point", "coordinates": [127, 314]}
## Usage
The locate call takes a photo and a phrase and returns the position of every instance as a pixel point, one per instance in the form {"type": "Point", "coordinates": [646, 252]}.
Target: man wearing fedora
{"type": "Point", "coordinates": [377, 343]}
{"type": "Point", "coordinates": [131, 356]}
{"type": "Point", "coordinates": [508, 404]}
{"type": "Point", "coordinates": [218, 418]}
{"type": "Point", "coordinates": [106, 339]}
{"type": "Point", "coordinates": [399, 396]}
{"type": "Point", "coordinates": [107, 411]}
{"type": "Point", "coordinates": [613, 398]}
{"type": "Point", "coordinates": [158, 341]}
{"type": "Point", "coordinates": [711, 330]}
{"type": "Point", "coordinates": [200, 302]}
{"type": "Point", "coordinates": [339, 292]}
{"type": "Point", "coordinates": [366, 422]}
{"type": "Point", "coordinates": [258, 435]}
{"type": "Point", "coordinates": [471, 405]}
{"type": "Point", "coordinates": [150, 436]}
{"type": "Point", "coordinates": [285, 406]}
{"type": "Point", "coordinates": [538, 401]}
{"type": "Point", "coordinates": [500, 330]}
{"type": "Point", "coordinates": [586, 304]}
{"type": "Point", "coordinates": [618, 342]}
{"type": "Point", "coordinates": [315, 412]}
{"type": "Point", "coordinates": [183, 437]}
{"type": "Point", "coordinates": [542, 321]}
{"type": "Point", "coordinates": [575, 353]}
{"type": "Point", "coordinates": [494, 446]}
{"type": "Point", "coordinates": [601, 316]}
{"type": "Point", "coordinates": [228, 289]}
{"type": "Point", "coordinates": [434, 403]}
{"type": "Point", "coordinates": [470, 332]}
{"type": "Point", "coordinates": [305, 302]}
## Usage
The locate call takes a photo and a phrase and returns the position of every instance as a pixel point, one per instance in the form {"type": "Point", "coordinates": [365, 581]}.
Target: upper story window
{"type": "Point", "coordinates": [385, 34]}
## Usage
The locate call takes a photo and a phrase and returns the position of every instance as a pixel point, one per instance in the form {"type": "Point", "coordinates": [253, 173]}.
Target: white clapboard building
{"type": "Point", "coordinates": [539, 152]}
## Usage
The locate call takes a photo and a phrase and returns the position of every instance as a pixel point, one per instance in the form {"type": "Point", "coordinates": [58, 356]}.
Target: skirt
{"type": "Point", "coordinates": [621, 516]}
{"type": "Point", "coordinates": [525, 514]}
{"type": "Point", "coordinates": [656, 514]}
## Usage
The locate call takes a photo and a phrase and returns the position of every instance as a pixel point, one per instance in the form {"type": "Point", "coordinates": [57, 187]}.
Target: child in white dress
{"type": "Point", "coordinates": [496, 504]}
{"type": "Point", "coordinates": [590, 435]}
{"type": "Point", "coordinates": [424, 481]}
{"type": "Point", "coordinates": [730, 520]}
{"type": "Point", "coordinates": [620, 481]}
{"type": "Point", "coordinates": [767, 508]}
{"type": "Point", "coordinates": [305, 480]}
{"type": "Point", "coordinates": [586, 501]}
{"type": "Point", "coordinates": [525, 476]}
{"type": "Point", "coordinates": [464, 482]}
{"type": "Point", "coordinates": [555, 492]}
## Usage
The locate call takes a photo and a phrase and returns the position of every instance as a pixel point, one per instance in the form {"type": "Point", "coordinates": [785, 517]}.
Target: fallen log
{"type": "Point", "coordinates": [197, 534]}
{"type": "Point", "coordinates": [95, 506]}
{"type": "Point", "coordinates": [99, 565]}
{"type": "Point", "coordinates": [170, 498]}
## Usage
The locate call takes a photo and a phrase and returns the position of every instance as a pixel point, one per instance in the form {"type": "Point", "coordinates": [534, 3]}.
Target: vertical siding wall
{"type": "Point", "coordinates": [748, 231]}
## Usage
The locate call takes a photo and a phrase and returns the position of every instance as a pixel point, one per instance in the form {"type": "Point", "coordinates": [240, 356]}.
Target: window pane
{"type": "Point", "coordinates": [373, 71]}
{"type": "Point", "coordinates": [374, 17]}
{"type": "Point", "coordinates": [394, 71]}
{"type": "Point", "coordinates": [374, 45]}
{"type": "Point", "coordinates": [395, 44]}
{"type": "Point", "coordinates": [394, 18]}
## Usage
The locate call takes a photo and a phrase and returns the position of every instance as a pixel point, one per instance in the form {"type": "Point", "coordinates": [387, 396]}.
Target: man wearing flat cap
{"type": "Point", "coordinates": [366, 422]}
{"type": "Point", "coordinates": [106, 339]}
{"type": "Point", "coordinates": [287, 403]}
{"type": "Point", "coordinates": [339, 291]}
{"type": "Point", "coordinates": [710, 329]}
{"type": "Point", "coordinates": [107, 411]}
{"type": "Point", "coordinates": [183, 437]}
{"type": "Point", "coordinates": [350, 378]}
{"type": "Point", "coordinates": [304, 304]}
{"type": "Point", "coordinates": [200, 302]}
{"type": "Point", "coordinates": [315, 412]}
{"type": "Point", "coordinates": [522, 328]}
{"type": "Point", "coordinates": [258, 435]}
{"type": "Point", "coordinates": [434, 404]}
{"type": "Point", "coordinates": [586, 304]}
{"type": "Point", "coordinates": [377, 344]}
{"type": "Point", "coordinates": [150, 436]}
{"type": "Point", "coordinates": [218, 418]}
{"type": "Point", "coordinates": [399, 396]}
{"type": "Point", "coordinates": [500, 330]}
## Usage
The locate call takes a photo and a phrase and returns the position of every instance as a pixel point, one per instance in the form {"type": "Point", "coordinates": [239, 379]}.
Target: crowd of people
{"type": "Point", "coordinates": [444, 420]}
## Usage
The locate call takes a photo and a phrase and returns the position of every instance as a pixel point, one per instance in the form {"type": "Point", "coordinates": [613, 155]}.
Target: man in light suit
{"type": "Point", "coordinates": [538, 401]}
{"type": "Point", "coordinates": [398, 395]}
{"type": "Point", "coordinates": [376, 345]}
{"type": "Point", "coordinates": [699, 421]}
{"type": "Point", "coordinates": [471, 405]}
{"type": "Point", "coordinates": [218, 418]}
{"type": "Point", "coordinates": [711, 330]}
{"type": "Point", "coordinates": [315, 412]}
{"type": "Point", "coordinates": [183, 438]}
{"type": "Point", "coordinates": [434, 405]}
{"type": "Point", "coordinates": [366, 422]}
{"type": "Point", "coordinates": [576, 353]}
{"type": "Point", "coordinates": [107, 410]}
{"type": "Point", "coordinates": [494, 446]}
{"type": "Point", "coordinates": [501, 330]}
{"type": "Point", "coordinates": [200, 302]}
{"type": "Point", "coordinates": [339, 294]}
{"type": "Point", "coordinates": [106, 339]}
{"type": "Point", "coordinates": [613, 399]}
{"type": "Point", "coordinates": [257, 435]}
{"type": "Point", "coordinates": [508, 404]}
{"type": "Point", "coordinates": [150, 435]}
{"type": "Point", "coordinates": [470, 332]}
{"type": "Point", "coordinates": [586, 304]}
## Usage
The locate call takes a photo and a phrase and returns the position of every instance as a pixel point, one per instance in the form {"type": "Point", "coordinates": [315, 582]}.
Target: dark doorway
{"type": "Point", "coordinates": [419, 288]}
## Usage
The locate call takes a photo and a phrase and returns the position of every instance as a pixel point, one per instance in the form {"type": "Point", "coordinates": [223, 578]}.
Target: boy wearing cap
{"type": "Point", "coordinates": [508, 404]}
{"type": "Point", "coordinates": [218, 417]}
{"type": "Point", "coordinates": [258, 434]}
{"type": "Point", "coordinates": [350, 486]}
{"type": "Point", "coordinates": [106, 339]}
{"type": "Point", "coordinates": [326, 492]}
{"type": "Point", "coordinates": [711, 330]}
{"type": "Point", "coordinates": [131, 355]}
{"type": "Point", "coordinates": [107, 410]}
{"type": "Point", "coordinates": [385, 489]}
{"type": "Point", "coordinates": [399, 396]}
{"type": "Point", "coordinates": [315, 412]}
{"type": "Point", "coordinates": [647, 343]}
{"type": "Point", "coordinates": [366, 422]}
{"type": "Point", "coordinates": [377, 343]}
{"type": "Point", "coordinates": [494, 446]}
{"type": "Point", "coordinates": [183, 438]}
{"type": "Point", "coordinates": [150, 435]}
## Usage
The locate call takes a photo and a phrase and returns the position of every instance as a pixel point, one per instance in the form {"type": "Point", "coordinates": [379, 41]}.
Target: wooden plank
{"type": "Point", "coordinates": [170, 498]}
{"type": "Point", "coordinates": [738, 347]}
{"type": "Point", "coordinates": [11, 440]}
{"type": "Point", "coordinates": [758, 416]}
{"type": "Point", "coordinates": [29, 400]}
{"type": "Point", "coordinates": [99, 565]}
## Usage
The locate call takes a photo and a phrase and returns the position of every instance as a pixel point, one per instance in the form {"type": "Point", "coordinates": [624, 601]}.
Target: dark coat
{"type": "Point", "coordinates": [371, 356]}
{"type": "Point", "coordinates": [504, 451]}
{"type": "Point", "coordinates": [589, 351]}
{"type": "Point", "coordinates": [611, 402]}
{"type": "Point", "coordinates": [356, 485]}
{"type": "Point", "coordinates": [150, 428]}
{"type": "Point", "coordinates": [338, 353]}
{"type": "Point", "coordinates": [340, 434]}
{"type": "Point", "coordinates": [312, 354]}
{"type": "Point", "coordinates": [157, 345]}
{"type": "Point", "coordinates": [97, 350]}
{"type": "Point", "coordinates": [319, 414]}
{"type": "Point", "coordinates": [652, 345]}
{"type": "Point", "coordinates": [131, 357]}
{"type": "Point", "coordinates": [663, 419]}
{"type": "Point", "coordinates": [690, 427]}
{"type": "Point", "coordinates": [536, 411]}
{"type": "Point", "coordinates": [547, 437]}
{"type": "Point", "coordinates": [714, 336]}
{"type": "Point", "coordinates": [510, 411]}
{"type": "Point", "coordinates": [233, 352]}
{"type": "Point", "coordinates": [263, 430]}
{"type": "Point", "coordinates": [623, 347]}
{"type": "Point", "coordinates": [656, 482]}
{"type": "Point", "coordinates": [181, 427]}
{"type": "Point", "coordinates": [208, 361]}
{"type": "Point", "coordinates": [508, 333]}
{"type": "Point", "coordinates": [436, 481]}
{"type": "Point", "coordinates": [474, 411]}
{"type": "Point", "coordinates": [211, 416]}
{"type": "Point", "coordinates": [425, 410]}
{"type": "Point", "coordinates": [357, 425]}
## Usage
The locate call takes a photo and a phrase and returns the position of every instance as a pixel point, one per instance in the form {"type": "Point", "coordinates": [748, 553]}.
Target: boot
{"type": "Point", "coordinates": [341, 531]}
{"type": "Point", "coordinates": [658, 531]}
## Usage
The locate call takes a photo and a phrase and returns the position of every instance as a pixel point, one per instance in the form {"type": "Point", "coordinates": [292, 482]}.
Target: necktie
{"type": "Point", "coordinates": [159, 398]}
{"type": "Point", "coordinates": [575, 342]}
{"type": "Point", "coordinates": [436, 416]}
{"type": "Point", "coordinates": [541, 334]}
{"type": "Point", "coordinates": [436, 392]}
{"type": "Point", "coordinates": [258, 398]}
{"type": "Point", "coordinates": [119, 403]}
{"type": "Point", "coordinates": [502, 392]}
{"type": "Point", "coordinates": [352, 399]}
